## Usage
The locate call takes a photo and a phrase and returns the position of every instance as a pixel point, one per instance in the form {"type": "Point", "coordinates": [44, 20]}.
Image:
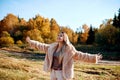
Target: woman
{"type": "Point", "coordinates": [60, 55]}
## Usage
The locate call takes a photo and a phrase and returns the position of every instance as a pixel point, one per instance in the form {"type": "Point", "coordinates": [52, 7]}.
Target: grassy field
{"type": "Point", "coordinates": [14, 65]}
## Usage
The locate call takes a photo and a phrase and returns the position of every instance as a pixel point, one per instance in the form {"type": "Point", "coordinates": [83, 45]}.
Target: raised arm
{"type": "Point", "coordinates": [38, 45]}
{"type": "Point", "coordinates": [86, 57]}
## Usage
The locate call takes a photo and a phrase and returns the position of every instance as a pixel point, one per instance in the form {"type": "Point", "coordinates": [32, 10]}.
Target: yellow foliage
{"type": "Point", "coordinates": [19, 42]}
{"type": "Point", "coordinates": [54, 26]}
{"type": "Point", "coordinates": [84, 37]}
{"type": "Point", "coordinates": [6, 41]}
{"type": "Point", "coordinates": [35, 34]}
{"type": "Point", "coordinates": [9, 23]}
{"type": "Point", "coordinates": [5, 34]}
{"type": "Point", "coordinates": [71, 34]}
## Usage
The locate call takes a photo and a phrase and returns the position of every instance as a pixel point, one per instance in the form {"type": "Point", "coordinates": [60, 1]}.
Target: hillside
{"type": "Point", "coordinates": [24, 65]}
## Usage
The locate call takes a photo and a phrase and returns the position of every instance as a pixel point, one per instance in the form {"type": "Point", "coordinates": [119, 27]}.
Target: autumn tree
{"type": "Point", "coordinates": [54, 26]}
{"type": "Point", "coordinates": [71, 34]}
{"type": "Point", "coordinates": [34, 34]}
{"type": "Point", "coordinates": [6, 39]}
{"type": "Point", "coordinates": [53, 37]}
{"type": "Point", "coordinates": [22, 25]}
{"type": "Point", "coordinates": [31, 24]}
{"type": "Point", "coordinates": [45, 29]}
{"type": "Point", "coordinates": [9, 23]}
{"type": "Point", "coordinates": [75, 38]}
{"type": "Point", "coordinates": [41, 24]}
{"type": "Point", "coordinates": [54, 30]}
{"type": "Point", "coordinates": [22, 22]}
{"type": "Point", "coordinates": [84, 35]}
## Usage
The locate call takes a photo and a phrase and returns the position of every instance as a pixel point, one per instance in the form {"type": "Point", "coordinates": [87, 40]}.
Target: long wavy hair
{"type": "Point", "coordinates": [65, 38]}
{"type": "Point", "coordinates": [66, 42]}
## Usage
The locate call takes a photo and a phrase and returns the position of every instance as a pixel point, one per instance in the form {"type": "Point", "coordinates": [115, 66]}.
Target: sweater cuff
{"type": "Point", "coordinates": [96, 59]}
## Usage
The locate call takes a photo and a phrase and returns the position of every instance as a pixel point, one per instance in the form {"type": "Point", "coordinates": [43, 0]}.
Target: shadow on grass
{"type": "Point", "coordinates": [33, 56]}
{"type": "Point", "coordinates": [94, 72]}
{"type": "Point", "coordinates": [30, 55]}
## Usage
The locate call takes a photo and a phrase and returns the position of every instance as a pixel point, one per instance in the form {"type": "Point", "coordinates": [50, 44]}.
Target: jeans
{"type": "Point", "coordinates": [56, 75]}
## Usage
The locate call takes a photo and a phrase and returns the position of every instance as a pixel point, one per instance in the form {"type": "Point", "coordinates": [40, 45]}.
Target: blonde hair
{"type": "Point", "coordinates": [65, 38]}
{"type": "Point", "coordinates": [66, 42]}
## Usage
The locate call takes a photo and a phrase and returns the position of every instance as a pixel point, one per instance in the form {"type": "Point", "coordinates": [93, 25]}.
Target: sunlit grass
{"type": "Point", "coordinates": [85, 71]}
{"type": "Point", "coordinates": [14, 68]}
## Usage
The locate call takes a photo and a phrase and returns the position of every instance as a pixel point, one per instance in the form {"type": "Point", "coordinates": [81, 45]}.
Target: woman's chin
{"type": "Point", "coordinates": [59, 41]}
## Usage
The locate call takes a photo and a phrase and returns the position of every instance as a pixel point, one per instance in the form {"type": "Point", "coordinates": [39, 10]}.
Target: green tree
{"type": "Point", "coordinates": [116, 20]}
{"type": "Point", "coordinates": [106, 35]}
{"type": "Point", "coordinates": [91, 36]}
{"type": "Point", "coordinates": [18, 35]}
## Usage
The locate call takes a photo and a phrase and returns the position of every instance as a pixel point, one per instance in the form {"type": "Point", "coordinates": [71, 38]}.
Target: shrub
{"type": "Point", "coordinates": [106, 35]}
{"type": "Point", "coordinates": [19, 42]}
{"type": "Point", "coordinates": [5, 34]}
{"type": "Point", "coordinates": [6, 41]}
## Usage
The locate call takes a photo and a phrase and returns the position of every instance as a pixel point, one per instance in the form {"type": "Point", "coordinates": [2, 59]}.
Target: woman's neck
{"type": "Point", "coordinates": [60, 44]}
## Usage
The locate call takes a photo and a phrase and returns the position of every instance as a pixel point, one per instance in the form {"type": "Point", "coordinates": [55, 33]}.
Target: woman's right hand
{"type": "Point", "coordinates": [27, 39]}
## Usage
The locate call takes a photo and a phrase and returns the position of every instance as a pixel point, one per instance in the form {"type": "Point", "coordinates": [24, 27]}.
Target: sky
{"type": "Point", "coordinates": [70, 13]}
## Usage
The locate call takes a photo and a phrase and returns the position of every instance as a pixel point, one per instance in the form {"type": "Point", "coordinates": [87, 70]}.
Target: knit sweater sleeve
{"type": "Point", "coordinates": [85, 57]}
{"type": "Point", "coordinates": [40, 46]}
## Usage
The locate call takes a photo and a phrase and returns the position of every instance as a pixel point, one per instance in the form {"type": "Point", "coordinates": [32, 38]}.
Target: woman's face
{"type": "Point", "coordinates": [60, 37]}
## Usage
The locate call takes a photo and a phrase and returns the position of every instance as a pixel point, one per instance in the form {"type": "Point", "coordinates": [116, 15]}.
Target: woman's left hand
{"type": "Point", "coordinates": [99, 56]}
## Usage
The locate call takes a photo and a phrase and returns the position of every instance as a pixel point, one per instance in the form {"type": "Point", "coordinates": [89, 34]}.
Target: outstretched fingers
{"type": "Point", "coordinates": [99, 56]}
{"type": "Point", "coordinates": [27, 39]}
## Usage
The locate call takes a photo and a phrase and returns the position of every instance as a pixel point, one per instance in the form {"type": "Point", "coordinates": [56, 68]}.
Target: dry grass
{"type": "Point", "coordinates": [13, 68]}
{"type": "Point", "coordinates": [85, 71]}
